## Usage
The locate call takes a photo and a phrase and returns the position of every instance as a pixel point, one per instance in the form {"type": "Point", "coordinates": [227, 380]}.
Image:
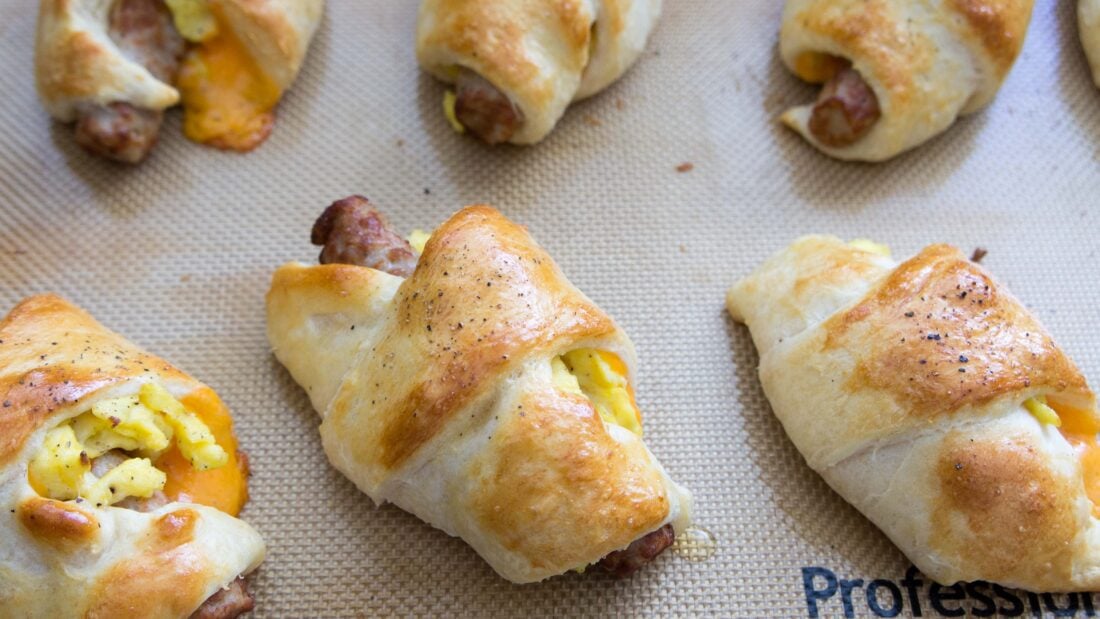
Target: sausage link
{"type": "Point", "coordinates": [845, 111]}
{"type": "Point", "coordinates": [625, 562]}
{"type": "Point", "coordinates": [143, 31]}
{"type": "Point", "coordinates": [118, 131]}
{"type": "Point", "coordinates": [485, 111]}
{"type": "Point", "coordinates": [352, 231]}
{"type": "Point", "coordinates": [227, 603]}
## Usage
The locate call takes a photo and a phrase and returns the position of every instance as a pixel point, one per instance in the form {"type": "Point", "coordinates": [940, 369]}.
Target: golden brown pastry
{"type": "Point", "coordinates": [1088, 24]}
{"type": "Point", "coordinates": [896, 74]}
{"type": "Point", "coordinates": [114, 66]}
{"type": "Point", "coordinates": [120, 478]}
{"type": "Point", "coordinates": [483, 392]}
{"type": "Point", "coordinates": [935, 403]}
{"type": "Point", "coordinates": [517, 64]}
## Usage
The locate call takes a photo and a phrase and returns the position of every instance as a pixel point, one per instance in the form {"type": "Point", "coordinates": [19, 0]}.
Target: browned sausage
{"type": "Point", "coordinates": [351, 231]}
{"type": "Point", "coordinates": [629, 560]}
{"type": "Point", "coordinates": [118, 131]}
{"type": "Point", "coordinates": [144, 32]}
{"type": "Point", "coordinates": [485, 111]}
{"type": "Point", "coordinates": [227, 603]}
{"type": "Point", "coordinates": [845, 111]}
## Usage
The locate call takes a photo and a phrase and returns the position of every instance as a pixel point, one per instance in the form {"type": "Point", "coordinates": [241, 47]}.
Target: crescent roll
{"type": "Point", "coordinates": [935, 403]}
{"type": "Point", "coordinates": [896, 74]}
{"type": "Point", "coordinates": [1088, 24]}
{"type": "Point", "coordinates": [517, 64]}
{"type": "Point", "coordinates": [119, 478]}
{"type": "Point", "coordinates": [113, 67]}
{"type": "Point", "coordinates": [483, 393]}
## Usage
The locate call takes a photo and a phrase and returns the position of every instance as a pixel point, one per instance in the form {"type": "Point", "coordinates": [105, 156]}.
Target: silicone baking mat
{"type": "Point", "coordinates": [177, 254]}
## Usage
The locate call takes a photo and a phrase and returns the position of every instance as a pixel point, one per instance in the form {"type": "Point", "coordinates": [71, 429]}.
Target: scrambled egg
{"type": "Point", "coordinates": [449, 99]}
{"type": "Point", "coordinates": [418, 239]}
{"type": "Point", "coordinates": [1038, 407]}
{"type": "Point", "coordinates": [193, 19]}
{"type": "Point", "coordinates": [144, 425]}
{"type": "Point", "coordinates": [227, 98]}
{"type": "Point", "coordinates": [870, 246]}
{"type": "Point", "coordinates": [59, 468]}
{"type": "Point", "coordinates": [600, 377]}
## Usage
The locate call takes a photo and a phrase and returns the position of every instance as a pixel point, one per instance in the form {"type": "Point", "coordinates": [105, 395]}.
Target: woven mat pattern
{"type": "Point", "coordinates": [177, 254]}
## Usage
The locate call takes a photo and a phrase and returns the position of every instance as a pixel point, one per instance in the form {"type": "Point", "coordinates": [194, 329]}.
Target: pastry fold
{"type": "Point", "coordinates": [1088, 24]}
{"type": "Point", "coordinates": [542, 55]}
{"type": "Point", "coordinates": [77, 64]}
{"type": "Point", "coordinates": [71, 558]}
{"type": "Point", "coordinates": [926, 61]}
{"type": "Point", "coordinates": [437, 393]}
{"type": "Point", "coordinates": [935, 403]}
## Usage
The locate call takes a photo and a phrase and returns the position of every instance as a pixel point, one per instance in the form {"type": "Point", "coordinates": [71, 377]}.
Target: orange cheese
{"type": "Point", "coordinates": [224, 488]}
{"type": "Point", "coordinates": [619, 368]}
{"type": "Point", "coordinates": [1080, 429]}
{"type": "Point", "coordinates": [818, 68]}
{"type": "Point", "coordinates": [228, 101]}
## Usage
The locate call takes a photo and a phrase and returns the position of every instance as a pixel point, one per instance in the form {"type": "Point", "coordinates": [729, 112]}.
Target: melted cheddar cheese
{"type": "Point", "coordinates": [226, 487]}
{"type": "Point", "coordinates": [1080, 429]}
{"type": "Point", "coordinates": [228, 101]}
{"type": "Point", "coordinates": [599, 376]}
{"type": "Point", "coordinates": [817, 68]}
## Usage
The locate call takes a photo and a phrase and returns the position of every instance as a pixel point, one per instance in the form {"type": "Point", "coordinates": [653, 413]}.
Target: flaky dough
{"type": "Point", "coordinates": [69, 559]}
{"type": "Point", "coordinates": [542, 54]}
{"type": "Point", "coordinates": [903, 386]}
{"type": "Point", "coordinates": [76, 63]}
{"type": "Point", "coordinates": [928, 61]}
{"type": "Point", "coordinates": [436, 395]}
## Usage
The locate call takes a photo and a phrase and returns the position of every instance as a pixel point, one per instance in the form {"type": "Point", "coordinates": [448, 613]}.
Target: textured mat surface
{"type": "Point", "coordinates": [177, 255]}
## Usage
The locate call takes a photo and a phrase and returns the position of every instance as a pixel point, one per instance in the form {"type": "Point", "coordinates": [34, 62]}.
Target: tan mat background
{"type": "Point", "coordinates": [177, 254]}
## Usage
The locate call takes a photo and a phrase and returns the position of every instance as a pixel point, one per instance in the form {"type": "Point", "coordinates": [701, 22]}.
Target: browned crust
{"type": "Point", "coordinates": [1001, 26]}
{"type": "Point", "coordinates": [168, 578]}
{"type": "Point", "coordinates": [1021, 516]}
{"type": "Point", "coordinates": [53, 355]}
{"type": "Point", "coordinates": [483, 296]}
{"type": "Point", "coordinates": [64, 72]}
{"type": "Point", "coordinates": [271, 38]}
{"type": "Point", "coordinates": [61, 525]}
{"type": "Point", "coordinates": [558, 490]}
{"type": "Point", "coordinates": [173, 529]}
{"type": "Point", "coordinates": [492, 35]}
{"type": "Point", "coordinates": [942, 335]}
{"type": "Point", "coordinates": [869, 31]}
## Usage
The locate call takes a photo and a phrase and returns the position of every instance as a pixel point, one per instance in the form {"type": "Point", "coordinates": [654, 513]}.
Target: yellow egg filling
{"type": "Point", "coordinates": [418, 239]}
{"type": "Point", "coordinates": [870, 246]}
{"type": "Point", "coordinates": [599, 376]}
{"type": "Point", "coordinates": [449, 100]}
{"type": "Point", "coordinates": [1038, 407]}
{"type": "Point", "coordinates": [193, 19]}
{"type": "Point", "coordinates": [143, 426]}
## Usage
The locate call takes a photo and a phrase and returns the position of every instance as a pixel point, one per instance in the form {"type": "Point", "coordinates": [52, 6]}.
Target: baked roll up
{"type": "Point", "coordinates": [483, 392]}
{"type": "Point", "coordinates": [896, 74]}
{"type": "Point", "coordinates": [517, 64]}
{"type": "Point", "coordinates": [119, 478]}
{"type": "Point", "coordinates": [935, 403]}
{"type": "Point", "coordinates": [1088, 25]}
{"type": "Point", "coordinates": [114, 66]}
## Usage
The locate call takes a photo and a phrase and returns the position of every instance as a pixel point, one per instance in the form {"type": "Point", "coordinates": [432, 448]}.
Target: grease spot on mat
{"type": "Point", "coordinates": [695, 544]}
